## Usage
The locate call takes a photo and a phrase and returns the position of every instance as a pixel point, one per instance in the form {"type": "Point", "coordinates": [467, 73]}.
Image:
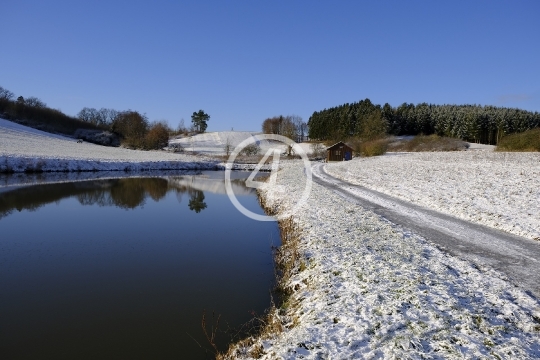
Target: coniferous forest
{"type": "Point", "coordinates": [473, 123]}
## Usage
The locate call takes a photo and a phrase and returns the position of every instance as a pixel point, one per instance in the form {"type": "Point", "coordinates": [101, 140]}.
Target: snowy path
{"type": "Point", "coordinates": [517, 257]}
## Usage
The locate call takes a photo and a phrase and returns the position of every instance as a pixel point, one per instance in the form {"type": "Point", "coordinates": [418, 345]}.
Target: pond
{"type": "Point", "coordinates": [126, 267]}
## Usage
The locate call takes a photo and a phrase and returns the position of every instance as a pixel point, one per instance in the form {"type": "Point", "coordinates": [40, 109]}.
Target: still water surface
{"type": "Point", "coordinates": [124, 268]}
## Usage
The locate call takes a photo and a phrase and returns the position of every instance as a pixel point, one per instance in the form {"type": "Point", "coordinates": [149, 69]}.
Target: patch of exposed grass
{"type": "Point", "coordinates": [373, 147]}
{"type": "Point", "coordinates": [525, 141]}
{"type": "Point", "coordinates": [428, 143]}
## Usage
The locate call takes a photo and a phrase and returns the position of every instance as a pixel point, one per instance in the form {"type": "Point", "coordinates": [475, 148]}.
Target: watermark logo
{"type": "Point", "coordinates": [275, 150]}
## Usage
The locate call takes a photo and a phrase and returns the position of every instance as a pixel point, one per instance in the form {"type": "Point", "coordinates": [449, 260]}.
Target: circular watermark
{"type": "Point", "coordinates": [271, 184]}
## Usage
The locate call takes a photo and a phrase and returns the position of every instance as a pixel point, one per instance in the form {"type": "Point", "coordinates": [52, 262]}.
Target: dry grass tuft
{"type": "Point", "coordinates": [374, 147]}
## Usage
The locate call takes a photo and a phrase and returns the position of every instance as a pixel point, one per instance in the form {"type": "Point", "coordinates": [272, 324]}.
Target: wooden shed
{"type": "Point", "coordinates": [339, 152]}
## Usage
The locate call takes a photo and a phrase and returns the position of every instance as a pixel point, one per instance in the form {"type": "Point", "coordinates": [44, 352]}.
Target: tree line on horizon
{"type": "Point", "coordinates": [473, 123]}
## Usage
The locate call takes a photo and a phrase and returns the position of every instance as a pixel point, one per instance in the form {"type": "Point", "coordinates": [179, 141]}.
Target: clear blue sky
{"type": "Point", "coordinates": [244, 61]}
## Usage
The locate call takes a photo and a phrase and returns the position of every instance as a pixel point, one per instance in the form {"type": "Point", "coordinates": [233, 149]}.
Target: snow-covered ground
{"type": "Point", "coordinates": [475, 146]}
{"type": "Point", "coordinates": [23, 148]}
{"type": "Point", "coordinates": [213, 143]}
{"type": "Point", "coordinates": [371, 290]}
{"type": "Point", "coordinates": [497, 189]}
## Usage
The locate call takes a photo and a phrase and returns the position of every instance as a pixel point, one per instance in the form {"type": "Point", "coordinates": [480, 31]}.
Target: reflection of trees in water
{"type": "Point", "coordinates": [196, 201]}
{"type": "Point", "coordinates": [97, 197]}
{"type": "Point", "coordinates": [31, 198]}
{"type": "Point", "coordinates": [127, 193]}
{"type": "Point", "coordinates": [157, 188]}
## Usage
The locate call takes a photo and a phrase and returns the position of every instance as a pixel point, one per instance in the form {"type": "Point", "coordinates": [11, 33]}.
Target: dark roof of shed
{"type": "Point", "coordinates": [340, 142]}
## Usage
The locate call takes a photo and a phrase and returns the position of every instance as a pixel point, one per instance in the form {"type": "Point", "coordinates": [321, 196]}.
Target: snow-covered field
{"type": "Point", "coordinates": [23, 148]}
{"type": "Point", "coordinates": [497, 189]}
{"type": "Point", "coordinates": [370, 290]}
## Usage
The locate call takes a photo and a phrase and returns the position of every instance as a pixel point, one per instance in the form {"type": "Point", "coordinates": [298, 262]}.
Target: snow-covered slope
{"type": "Point", "coordinates": [26, 149]}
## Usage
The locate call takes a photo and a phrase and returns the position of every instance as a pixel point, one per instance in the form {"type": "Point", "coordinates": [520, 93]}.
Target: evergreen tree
{"type": "Point", "coordinates": [199, 120]}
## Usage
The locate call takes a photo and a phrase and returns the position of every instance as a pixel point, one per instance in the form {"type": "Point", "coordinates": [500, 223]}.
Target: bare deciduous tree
{"type": "Point", "coordinates": [290, 126]}
{"type": "Point", "coordinates": [34, 102]}
{"type": "Point", "coordinates": [5, 94]}
{"type": "Point", "coordinates": [228, 147]}
{"type": "Point", "coordinates": [99, 117]}
{"type": "Point", "coordinates": [132, 126]}
{"type": "Point", "coordinates": [181, 128]}
{"type": "Point", "coordinates": [318, 150]}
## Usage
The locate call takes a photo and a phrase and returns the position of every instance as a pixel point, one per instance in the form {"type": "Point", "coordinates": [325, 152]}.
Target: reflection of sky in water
{"type": "Point", "coordinates": [123, 268]}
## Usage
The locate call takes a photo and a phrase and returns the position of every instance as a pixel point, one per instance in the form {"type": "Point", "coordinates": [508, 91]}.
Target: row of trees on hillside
{"type": "Point", "coordinates": [35, 112]}
{"type": "Point", "coordinates": [107, 117]}
{"type": "Point", "coordinates": [474, 123]}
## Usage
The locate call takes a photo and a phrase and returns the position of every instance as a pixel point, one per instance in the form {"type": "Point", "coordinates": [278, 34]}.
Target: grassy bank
{"type": "Point", "coordinates": [288, 262]}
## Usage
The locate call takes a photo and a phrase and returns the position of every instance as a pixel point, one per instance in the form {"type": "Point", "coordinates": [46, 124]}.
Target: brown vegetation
{"type": "Point", "coordinates": [525, 141]}
{"type": "Point", "coordinates": [138, 133]}
{"type": "Point", "coordinates": [157, 136]}
{"type": "Point", "coordinates": [373, 147]}
{"type": "Point", "coordinates": [428, 143]}
{"type": "Point", "coordinates": [132, 126]}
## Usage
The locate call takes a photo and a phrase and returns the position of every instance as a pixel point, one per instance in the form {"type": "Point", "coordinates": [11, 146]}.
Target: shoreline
{"type": "Point", "coordinates": [287, 262]}
{"type": "Point", "coordinates": [39, 165]}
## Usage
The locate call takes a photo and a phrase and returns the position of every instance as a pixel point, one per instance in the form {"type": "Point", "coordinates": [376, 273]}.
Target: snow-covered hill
{"type": "Point", "coordinates": [213, 143]}
{"type": "Point", "coordinates": [26, 149]}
